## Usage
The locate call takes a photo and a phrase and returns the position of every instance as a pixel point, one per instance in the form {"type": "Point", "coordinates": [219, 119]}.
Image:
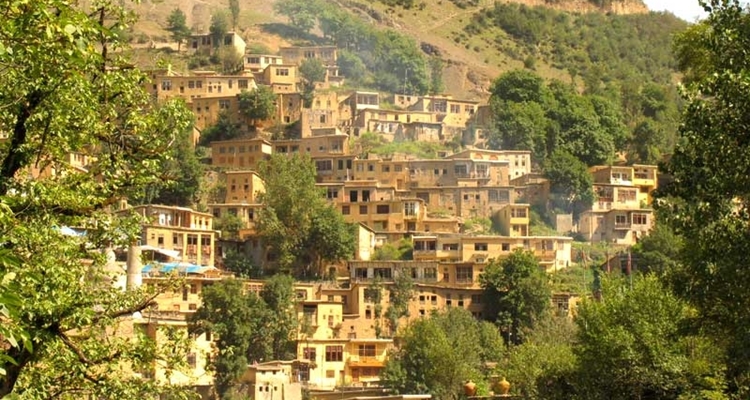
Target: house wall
{"type": "Point", "coordinates": [240, 153]}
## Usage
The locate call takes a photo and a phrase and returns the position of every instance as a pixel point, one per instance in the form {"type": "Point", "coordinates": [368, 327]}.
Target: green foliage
{"type": "Point", "coordinates": [621, 44]}
{"type": "Point", "coordinates": [635, 335]}
{"type": "Point", "coordinates": [235, 261]}
{"type": "Point", "coordinates": [401, 251]}
{"type": "Point", "coordinates": [258, 104]}
{"type": "Point", "coordinates": [519, 86]}
{"type": "Point", "coordinates": [401, 294]}
{"type": "Point", "coordinates": [532, 115]}
{"type": "Point", "coordinates": [351, 66]}
{"type": "Point", "coordinates": [278, 295]}
{"type": "Point", "coordinates": [477, 226]}
{"type": "Point", "coordinates": [228, 58]}
{"type": "Point", "coordinates": [183, 174]}
{"type": "Point", "coordinates": [619, 57]}
{"type": "Point", "coordinates": [250, 328]}
{"type": "Point", "coordinates": [570, 182]}
{"type": "Point", "coordinates": [544, 366]}
{"type": "Point", "coordinates": [707, 203]}
{"type": "Point", "coordinates": [516, 293]}
{"type": "Point", "coordinates": [177, 26]}
{"type": "Point", "coordinates": [436, 75]}
{"type": "Point", "coordinates": [370, 142]}
{"type": "Point", "coordinates": [520, 126]}
{"type": "Point", "coordinates": [395, 62]}
{"type": "Point", "coordinates": [219, 27]}
{"type": "Point", "coordinates": [438, 354]}
{"type": "Point", "coordinates": [298, 225]}
{"type": "Point", "coordinates": [659, 251]}
{"type": "Point", "coordinates": [234, 10]}
{"type": "Point", "coordinates": [223, 129]}
{"type": "Point", "coordinates": [407, 4]}
{"type": "Point", "coordinates": [312, 71]}
{"type": "Point", "coordinates": [301, 13]}
{"type": "Point", "coordinates": [229, 225]}
{"type": "Point", "coordinates": [65, 88]}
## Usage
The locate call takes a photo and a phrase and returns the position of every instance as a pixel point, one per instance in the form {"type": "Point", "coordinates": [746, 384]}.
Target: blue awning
{"type": "Point", "coordinates": [180, 267]}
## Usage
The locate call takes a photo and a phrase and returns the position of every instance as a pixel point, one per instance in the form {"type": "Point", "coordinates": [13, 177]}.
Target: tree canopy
{"type": "Point", "coordinates": [312, 71]}
{"type": "Point", "coordinates": [66, 88]}
{"type": "Point", "coordinates": [250, 327]}
{"type": "Point", "coordinates": [438, 354]}
{"type": "Point", "coordinates": [635, 336]}
{"type": "Point", "coordinates": [234, 10]}
{"type": "Point", "coordinates": [219, 27]}
{"type": "Point", "coordinates": [177, 26]}
{"type": "Point", "coordinates": [570, 182]}
{"type": "Point", "coordinates": [708, 202]}
{"type": "Point", "coordinates": [530, 114]}
{"type": "Point", "coordinates": [258, 104]}
{"type": "Point", "coordinates": [298, 226]}
{"type": "Point", "coordinates": [516, 293]}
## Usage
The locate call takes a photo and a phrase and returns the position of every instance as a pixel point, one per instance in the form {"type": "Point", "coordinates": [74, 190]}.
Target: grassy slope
{"type": "Point", "coordinates": [471, 62]}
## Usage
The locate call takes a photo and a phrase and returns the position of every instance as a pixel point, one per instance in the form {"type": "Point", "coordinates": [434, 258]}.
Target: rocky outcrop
{"type": "Point", "coordinates": [586, 6]}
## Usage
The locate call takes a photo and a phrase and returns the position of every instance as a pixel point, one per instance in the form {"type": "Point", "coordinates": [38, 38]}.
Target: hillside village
{"type": "Point", "coordinates": [390, 198]}
{"type": "Point", "coordinates": [250, 222]}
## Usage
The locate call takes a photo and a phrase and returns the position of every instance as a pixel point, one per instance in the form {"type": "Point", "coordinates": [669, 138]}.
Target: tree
{"type": "Point", "coordinates": [258, 104]}
{"type": "Point", "coordinates": [219, 27]}
{"type": "Point", "coordinates": [234, 9]}
{"type": "Point", "coordinates": [183, 175]}
{"type": "Point", "coordinates": [578, 125]}
{"type": "Point", "coordinates": [436, 75]}
{"type": "Point", "coordinates": [65, 88]}
{"type": "Point", "coordinates": [223, 129]}
{"type": "Point", "coordinates": [296, 223]}
{"type": "Point", "coordinates": [571, 187]}
{"type": "Point", "coordinates": [351, 66]}
{"type": "Point", "coordinates": [659, 251]}
{"type": "Point", "coordinates": [301, 13]}
{"type": "Point", "coordinates": [544, 365]}
{"type": "Point", "coordinates": [519, 86]}
{"type": "Point", "coordinates": [312, 71]}
{"type": "Point", "coordinates": [250, 328]}
{"type": "Point", "coordinates": [401, 293]}
{"type": "Point", "coordinates": [238, 263]}
{"type": "Point", "coordinates": [230, 59]}
{"type": "Point", "coordinates": [635, 335]}
{"type": "Point", "coordinates": [707, 203]}
{"type": "Point", "coordinates": [278, 295]}
{"type": "Point", "coordinates": [373, 294]}
{"type": "Point", "coordinates": [648, 141]}
{"type": "Point", "coordinates": [516, 293]}
{"type": "Point", "coordinates": [438, 354]}
{"type": "Point", "coordinates": [177, 26]}
{"type": "Point", "coordinates": [519, 126]}
{"type": "Point", "coordinates": [229, 225]}
{"type": "Point", "coordinates": [239, 319]}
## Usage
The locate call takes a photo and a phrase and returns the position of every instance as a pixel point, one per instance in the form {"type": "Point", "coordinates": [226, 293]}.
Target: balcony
{"type": "Point", "coordinates": [365, 361]}
{"type": "Point", "coordinates": [545, 254]}
{"type": "Point", "coordinates": [472, 175]}
{"type": "Point", "coordinates": [623, 226]}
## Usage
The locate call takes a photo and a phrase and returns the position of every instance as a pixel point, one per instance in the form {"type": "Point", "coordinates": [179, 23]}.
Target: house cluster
{"type": "Point", "coordinates": [431, 203]}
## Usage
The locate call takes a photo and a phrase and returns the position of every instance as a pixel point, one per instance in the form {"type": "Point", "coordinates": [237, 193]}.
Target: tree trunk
{"type": "Point", "coordinates": [13, 371]}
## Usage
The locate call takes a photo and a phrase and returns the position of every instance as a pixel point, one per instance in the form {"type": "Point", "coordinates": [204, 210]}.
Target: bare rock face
{"type": "Point", "coordinates": [585, 6]}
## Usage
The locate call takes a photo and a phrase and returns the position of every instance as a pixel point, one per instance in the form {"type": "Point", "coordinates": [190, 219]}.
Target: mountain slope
{"type": "Point", "coordinates": [474, 51]}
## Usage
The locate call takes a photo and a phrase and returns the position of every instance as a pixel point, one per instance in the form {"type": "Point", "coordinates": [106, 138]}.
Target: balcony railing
{"type": "Point", "coordinates": [623, 226]}
{"type": "Point", "coordinates": [472, 175]}
{"type": "Point", "coordinates": [372, 360]}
